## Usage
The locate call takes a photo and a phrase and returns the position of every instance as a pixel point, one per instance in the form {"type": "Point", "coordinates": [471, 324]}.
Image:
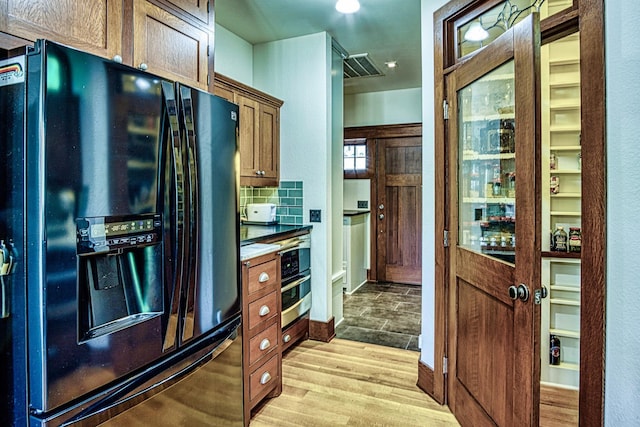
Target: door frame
{"type": "Point", "coordinates": [372, 134]}
{"type": "Point", "coordinates": [586, 16]}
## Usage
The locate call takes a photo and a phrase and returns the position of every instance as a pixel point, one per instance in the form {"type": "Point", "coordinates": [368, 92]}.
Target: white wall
{"type": "Point", "coordinates": [233, 56]}
{"type": "Point", "coordinates": [383, 108]}
{"type": "Point", "coordinates": [354, 190]}
{"type": "Point", "coordinates": [297, 70]}
{"type": "Point", "coordinates": [622, 373]}
{"type": "Point", "coordinates": [337, 155]}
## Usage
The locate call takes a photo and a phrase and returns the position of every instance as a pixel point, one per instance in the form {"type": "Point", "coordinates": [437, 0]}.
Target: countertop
{"type": "Point", "coordinates": [348, 212]}
{"type": "Point", "coordinates": [256, 233]}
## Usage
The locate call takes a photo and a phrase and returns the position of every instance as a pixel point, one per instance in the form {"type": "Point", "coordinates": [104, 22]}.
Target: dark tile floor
{"type": "Point", "coordinates": [383, 313]}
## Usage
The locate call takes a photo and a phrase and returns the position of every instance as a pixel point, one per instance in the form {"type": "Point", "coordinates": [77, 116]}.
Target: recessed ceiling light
{"type": "Point", "coordinates": [347, 6]}
{"type": "Point", "coordinates": [391, 64]}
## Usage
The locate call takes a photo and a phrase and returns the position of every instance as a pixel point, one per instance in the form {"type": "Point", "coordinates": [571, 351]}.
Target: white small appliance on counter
{"type": "Point", "coordinates": [261, 214]}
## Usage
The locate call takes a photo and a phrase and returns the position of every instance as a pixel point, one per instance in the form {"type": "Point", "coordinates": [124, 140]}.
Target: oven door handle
{"type": "Point", "coordinates": [296, 283]}
{"type": "Point", "coordinates": [293, 244]}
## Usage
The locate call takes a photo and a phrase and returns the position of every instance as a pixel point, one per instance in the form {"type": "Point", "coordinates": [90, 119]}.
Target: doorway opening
{"type": "Point", "coordinates": [382, 236]}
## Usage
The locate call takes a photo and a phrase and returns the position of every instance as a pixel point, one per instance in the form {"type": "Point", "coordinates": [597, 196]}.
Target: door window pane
{"type": "Point", "coordinates": [487, 167]}
{"type": "Point", "coordinates": [482, 30]}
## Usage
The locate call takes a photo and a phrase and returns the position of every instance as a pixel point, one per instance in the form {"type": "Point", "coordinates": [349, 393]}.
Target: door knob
{"type": "Point", "coordinates": [381, 216]}
{"type": "Point", "coordinates": [381, 206]}
{"type": "Point", "coordinates": [539, 295]}
{"type": "Point", "coordinates": [521, 292]}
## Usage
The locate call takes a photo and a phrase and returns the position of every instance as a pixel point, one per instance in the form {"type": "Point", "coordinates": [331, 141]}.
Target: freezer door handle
{"type": "Point", "coordinates": [191, 251]}
{"type": "Point", "coordinates": [177, 217]}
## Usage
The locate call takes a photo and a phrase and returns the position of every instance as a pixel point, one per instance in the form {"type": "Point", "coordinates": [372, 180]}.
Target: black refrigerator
{"type": "Point", "coordinates": [119, 238]}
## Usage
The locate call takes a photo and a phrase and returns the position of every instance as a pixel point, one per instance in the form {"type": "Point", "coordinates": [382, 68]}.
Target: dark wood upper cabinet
{"type": "Point", "coordinates": [93, 26]}
{"type": "Point", "coordinates": [173, 39]}
{"type": "Point", "coordinates": [197, 8]}
{"type": "Point", "coordinates": [170, 46]}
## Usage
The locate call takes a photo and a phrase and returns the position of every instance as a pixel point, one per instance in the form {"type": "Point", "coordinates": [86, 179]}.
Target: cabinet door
{"type": "Point", "coordinates": [223, 92]}
{"type": "Point", "coordinates": [168, 45]}
{"type": "Point", "coordinates": [249, 138]}
{"type": "Point", "coordinates": [93, 26]}
{"type": "Point", "coordinates": [269, 149]}
{"type": "Point", "coordinates": [197, 8]}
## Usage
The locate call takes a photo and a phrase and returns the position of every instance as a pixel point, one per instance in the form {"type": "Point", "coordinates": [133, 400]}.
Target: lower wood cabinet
{"type": "Point", "coordinates": [297, 331]}
{"type": "Point", "coordinates": [262, 330]}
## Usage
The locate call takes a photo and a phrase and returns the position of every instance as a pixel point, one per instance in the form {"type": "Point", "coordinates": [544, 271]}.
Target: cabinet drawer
{"type": "Point", "coordinates": [262, 276]}
{"type": "Point", "coordinates": [263, 309]}
{"type": "Point", "coordinates": [263, 343]}
{"type": "Point", "coordinates": [264, 378]}
{"type": "Point", "coordinates": [297, 331]}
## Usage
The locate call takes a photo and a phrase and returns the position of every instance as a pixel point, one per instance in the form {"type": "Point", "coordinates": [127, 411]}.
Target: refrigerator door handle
{"type": "Point", "coordinates": [178, 184]}
{"type": "Point", "coordinates": [191, 163]}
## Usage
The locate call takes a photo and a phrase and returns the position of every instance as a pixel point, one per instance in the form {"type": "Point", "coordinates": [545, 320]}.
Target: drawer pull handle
{"type": "Point", "coordinates": [265, 344]}
{"type": "Point", "coordinates": [265, 378]}
{"type": "Point", "coordinates": [264, 310]}
{"type": "Point", "coordinates": [286, 338]}
{"type": "Point", "coordinates": [264, 277]}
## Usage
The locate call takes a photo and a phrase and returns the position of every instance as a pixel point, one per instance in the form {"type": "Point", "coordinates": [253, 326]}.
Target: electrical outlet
{"type": "Point", "coordinates": [363, 204]}
{"type": "Point", "coordinates": [314, 215]}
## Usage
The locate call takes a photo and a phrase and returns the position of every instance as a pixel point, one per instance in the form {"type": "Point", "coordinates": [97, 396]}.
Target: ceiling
{"type": "Point", "coordinates": [388, 30]}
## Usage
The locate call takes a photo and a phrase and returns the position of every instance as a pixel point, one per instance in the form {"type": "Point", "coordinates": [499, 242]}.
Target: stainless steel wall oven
{"type": "Point", "coordinates": [296, 278]}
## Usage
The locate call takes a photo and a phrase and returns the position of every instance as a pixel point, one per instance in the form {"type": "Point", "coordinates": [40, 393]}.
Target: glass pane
{"type": "Point", "coordinates": [348, 151]}
{"type": "Point", "coordinates": [487, 175]}
{"type": "Point", "coordinates": [361, 163]}
{"type": "Point", "coordinates": [349, 163]}
{"type": "Point", "coordinates": [361, 151]}
{"type": "Point", "coordinates": [490, 25]}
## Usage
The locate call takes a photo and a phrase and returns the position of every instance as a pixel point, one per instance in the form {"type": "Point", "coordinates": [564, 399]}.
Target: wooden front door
{"type": "Point", "coordinates": [398, 212]}
{"type": "Point", "coordinates": [494, 128]}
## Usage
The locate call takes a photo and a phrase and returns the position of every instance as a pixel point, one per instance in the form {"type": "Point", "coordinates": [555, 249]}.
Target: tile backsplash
{"type": "Point", "coordinates": [287, 197]}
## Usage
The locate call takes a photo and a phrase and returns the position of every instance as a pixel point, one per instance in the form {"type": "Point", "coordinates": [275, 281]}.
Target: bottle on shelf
{"type": "Point", "coordinates": [511, 185]}
{"type": "Point", "coordinates": [554, 186]}
{"type": "Point", "coordinates": [474, 181]}
{"type": "Point", "coordinates": [559, 241]}
{"type": "Point", "coordinates": [575, 239]}
{"type": "Point", "coordinates": [554, 350]}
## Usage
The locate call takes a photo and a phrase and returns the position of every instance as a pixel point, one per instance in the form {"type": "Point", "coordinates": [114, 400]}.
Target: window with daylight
{"type": "Point", "coordinates": [358, 159]}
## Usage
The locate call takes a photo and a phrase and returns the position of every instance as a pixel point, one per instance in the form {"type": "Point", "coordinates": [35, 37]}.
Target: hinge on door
{"type": "Point", "coordinates": [208, 79]}
{"type": "Point", "coordinates": [208, 11]}
{"type": "Point", "coordinates": [445, 109]}
{"type": "Point", "coordinates": [445, 365]}
{"type": "Point", "coordinates": [446, 238]}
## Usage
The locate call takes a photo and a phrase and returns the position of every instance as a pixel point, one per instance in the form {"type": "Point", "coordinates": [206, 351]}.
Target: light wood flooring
{"type": "Point", "coordinates": [348, 383]}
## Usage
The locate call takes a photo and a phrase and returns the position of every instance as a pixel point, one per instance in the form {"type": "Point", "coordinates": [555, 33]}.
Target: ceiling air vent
{"type": "Point", "coordinates": [360, 65]}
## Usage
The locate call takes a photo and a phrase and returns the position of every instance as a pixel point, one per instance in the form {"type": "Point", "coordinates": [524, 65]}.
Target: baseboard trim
{"type": "Point", "coordinates": [426, 381]}
{"type": "Point", "coordinates": [322, 331]}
